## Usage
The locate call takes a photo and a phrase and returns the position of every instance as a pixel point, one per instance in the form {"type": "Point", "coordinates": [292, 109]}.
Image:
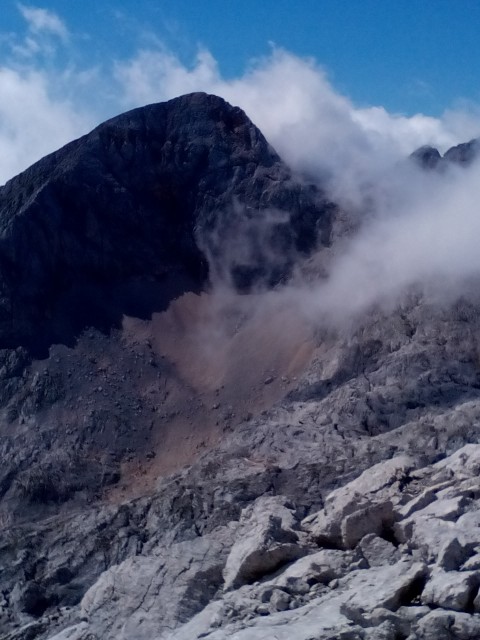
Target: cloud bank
{"type": "Point", "coordinates": [429, 239]}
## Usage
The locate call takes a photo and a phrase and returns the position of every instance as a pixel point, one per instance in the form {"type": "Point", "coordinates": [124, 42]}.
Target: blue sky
{"type": "Point", "coordinates": [407, 55]}
{"type": "Point", "coordinates": [406, 70]}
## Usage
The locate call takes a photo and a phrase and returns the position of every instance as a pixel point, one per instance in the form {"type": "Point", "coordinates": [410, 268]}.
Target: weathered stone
{"type": "Point", "coordinates": [452, 555]}
{"type": "Point", "coordinates": [172, 586]}
{"type": "Point", "coordinates": [384, 631]}
{"type": "Point", "coordinates": [387, 586]}
{"type": "Point", "coordinates": [472, 564]}
{"type": "Point", "coordinates": [377, 551]}
{"type": "Point", "coordinates": [362, 497]}
{"type": "Point", "coordinates": [443, 625]}
{"type": "Point", "coordinates": [419, 502]}
{"type": "Point", "coordinates": [320, 567]}
{"type": "Point", "coordinates": [452, 590]}
{"type": "Point", "coordinates": [376, 518]}
{"type": "Point", "coordinates": [268, 542]}
{"type": "Point", "coordinates": [280, 600]}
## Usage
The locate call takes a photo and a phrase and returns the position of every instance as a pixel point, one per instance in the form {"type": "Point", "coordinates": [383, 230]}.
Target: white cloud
{"type": "Point", "coordinates": [44, 21]}
{"type": "Point", "coordinates": [429, 239]}
{"type": "Point", "coordinates": [32, 122]}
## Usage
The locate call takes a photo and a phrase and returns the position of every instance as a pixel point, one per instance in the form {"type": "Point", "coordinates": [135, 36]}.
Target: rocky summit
{"type": "Point", "coordinates": [187, 450]}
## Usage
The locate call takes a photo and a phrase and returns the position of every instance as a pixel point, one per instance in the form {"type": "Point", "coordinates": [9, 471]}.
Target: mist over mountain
{"type": "Point", "coordinates": [239, 399]}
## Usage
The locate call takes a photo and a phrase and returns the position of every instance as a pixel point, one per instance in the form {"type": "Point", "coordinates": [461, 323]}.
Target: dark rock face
{"type": "Point", "coordinates": [428, 157]}
{"type": "Point", "coordinates": [465, 153]}
{"type": "Point", "coordinates": [87, 233]}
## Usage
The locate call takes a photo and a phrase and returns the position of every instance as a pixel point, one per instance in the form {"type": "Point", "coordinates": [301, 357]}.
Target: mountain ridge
{"type": "Point", "coordinates": [186, 452]}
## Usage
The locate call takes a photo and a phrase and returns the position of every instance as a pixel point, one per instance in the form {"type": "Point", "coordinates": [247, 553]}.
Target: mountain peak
{"type": "Point", "coordinates": [149, 195]}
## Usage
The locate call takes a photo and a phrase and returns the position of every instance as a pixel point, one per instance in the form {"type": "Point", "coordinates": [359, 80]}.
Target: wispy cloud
{"type": "Point", "coordinates": [44, 21]}
{"type": "Point", "coordinates": [32, 121]}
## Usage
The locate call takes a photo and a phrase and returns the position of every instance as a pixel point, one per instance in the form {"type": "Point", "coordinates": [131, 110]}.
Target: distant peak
{"type": "Point", "coordinates": [462, 154]}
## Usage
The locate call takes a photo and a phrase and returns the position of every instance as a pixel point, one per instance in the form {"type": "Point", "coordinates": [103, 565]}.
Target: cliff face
{"type": "Point", "coordinates": [185, 452]}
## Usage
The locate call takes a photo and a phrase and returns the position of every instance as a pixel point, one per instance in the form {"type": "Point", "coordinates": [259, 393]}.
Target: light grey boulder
{"type": "Point", "coordinates": [384, 631]}
{"type": "Point", "coordinates": [444, 509]}
{"type": "Point", "coordinates": [266, 541]}
{"type": "Point", "coordinates": [413, 613]}
{"type": "Point", "coordinates": [377, 551]}
{"type": "Point", "coordinates": [320, 619]}
{"type": "Point", "coordinates": [429, 535]}
{"type": "Point", "coordinates": [464, 463]}
{"type": "Point", "coordinates": [320, 567]}
{"type": "Point", "coordinates": [374, 518]}
{"type": "Point", "coordinates": [431, 520]}
{"type": "Point", "coordinates": [362, 506]}
{"type": "Point", "coordinates": [387, 587]}
{"type": "Point", "coordinates": [371, 482]}
{"type": "Point", "coordinates": [451, 590]}
{"type": "Point", "coordinates": [279, 600]}
{"type": "Point", "coordinates": [420, 501]}
{"type": "Point", "coordinates": [469, 526]}
{"type": "Point", "coordinates": [452, 555]}
{"type": "Point", "coordinates": [146, 595]}
{"type": "Point", "coordinates": [447, 625]}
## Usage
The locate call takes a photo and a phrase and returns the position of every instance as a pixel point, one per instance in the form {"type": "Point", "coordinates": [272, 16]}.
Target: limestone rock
{"type": "Point", "coordinates": [320, 567]}
{"type": "Point", "coordinates": [375, 518]}
{"type": "Point", "coordinates": [279, 600]}
{"type": "Point", "coordinates": [377, 551]}
{"type": "Point", "coordinates": [268, 541]}
{"type": "Point", "coordinates": [452, 555]}
{"type": "Point", "coordinates": [171, 586]}
{"type": "Point", "coordinates": [388, 586]}
{"type": "Point", "coordinates": [360, 507]}
{"type": "Point", "coordinates": [443, 625]}
{"type": "Point", "coordinates": [451, 590]}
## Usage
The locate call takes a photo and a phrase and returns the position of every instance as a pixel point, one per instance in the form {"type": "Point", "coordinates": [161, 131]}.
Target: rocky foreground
{"type": "Point", "coordinates": [393, 554]}
{"type": "Point", "coordinates": [187, 450]}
